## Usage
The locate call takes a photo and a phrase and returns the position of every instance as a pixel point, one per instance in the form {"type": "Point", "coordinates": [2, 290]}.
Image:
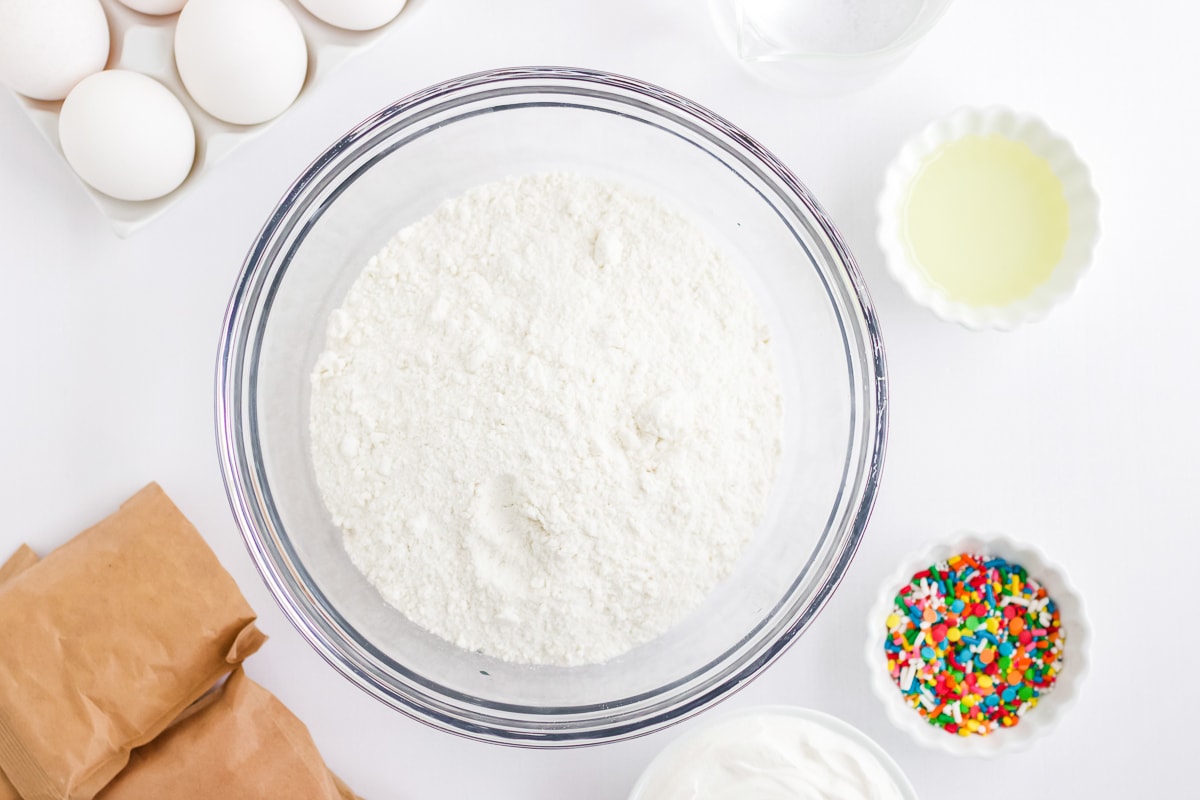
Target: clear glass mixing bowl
{"type": "Point", "coordinates": [398, 166]}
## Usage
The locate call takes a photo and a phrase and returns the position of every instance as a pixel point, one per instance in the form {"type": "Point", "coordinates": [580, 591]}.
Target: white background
{"type": "Point", "coordinates": [1078, 433]}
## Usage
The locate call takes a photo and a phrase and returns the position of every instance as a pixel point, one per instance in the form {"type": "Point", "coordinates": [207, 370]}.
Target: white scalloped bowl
{"type": "Point", "coordinates": [1051, 706]}
{"type": "Point", "coordinates": [1076, 182]}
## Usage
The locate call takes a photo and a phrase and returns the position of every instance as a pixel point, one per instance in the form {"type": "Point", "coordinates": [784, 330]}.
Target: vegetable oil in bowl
{"type": "Point", "coordinates": [985, 219]}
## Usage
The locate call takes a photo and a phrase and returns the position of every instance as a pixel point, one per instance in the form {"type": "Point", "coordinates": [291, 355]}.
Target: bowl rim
{"type": "Point", "coordinates": [1082, 202]}
{"type": "Point", "coordinates": [246, 496]}
{"type": "Point", "coordinates": [1049, 711]}
{"type": "Point", "coordinates": [823, 718]}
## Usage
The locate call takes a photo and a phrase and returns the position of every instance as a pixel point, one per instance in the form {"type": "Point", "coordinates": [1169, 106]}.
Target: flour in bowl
{"type": "Point", "coordinates": [547, 419]}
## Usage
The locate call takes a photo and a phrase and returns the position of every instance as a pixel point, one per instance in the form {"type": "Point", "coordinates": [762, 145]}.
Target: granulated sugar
{"type": "Point", "coordinates": [547, 419]}
{"type": "Point", "coordinates": [827, 26]}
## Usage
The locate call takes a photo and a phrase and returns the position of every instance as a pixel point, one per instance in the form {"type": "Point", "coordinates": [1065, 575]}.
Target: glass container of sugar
{"type": "Point", "coordinates": [823, 46]}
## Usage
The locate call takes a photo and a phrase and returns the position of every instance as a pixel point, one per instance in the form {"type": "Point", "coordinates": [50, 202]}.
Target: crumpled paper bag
{"type": "Point", "coordinates": [21, 560]}
{"type": "Point", "coordinates": [106, 640]}
{"type": "Point", "coordinates": [241, 743]}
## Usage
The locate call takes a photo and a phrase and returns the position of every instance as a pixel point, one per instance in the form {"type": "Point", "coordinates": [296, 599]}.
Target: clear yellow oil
{"type": "Point", "coordinates": [986, 219]}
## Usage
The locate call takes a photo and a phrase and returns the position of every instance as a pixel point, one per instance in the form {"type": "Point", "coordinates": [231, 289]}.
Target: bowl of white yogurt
{"type": "Point", "coordinates": [551, 406]}
{"type": "Point", "coordinates": [770, 752]}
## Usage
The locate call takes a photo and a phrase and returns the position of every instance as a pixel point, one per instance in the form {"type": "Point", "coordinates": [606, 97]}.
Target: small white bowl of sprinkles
{"type": "Point", "coordinates": [977, 647]}
{"type": "Point", "coordinates": [988, 218]}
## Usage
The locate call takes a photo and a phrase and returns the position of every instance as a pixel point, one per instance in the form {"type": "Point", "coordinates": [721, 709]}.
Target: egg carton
{"type": "Point", "coordinates": [144, 43]}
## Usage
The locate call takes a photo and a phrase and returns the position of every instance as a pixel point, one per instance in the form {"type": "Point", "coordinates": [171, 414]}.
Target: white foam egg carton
{"type": "Point", "coordinates": [145, 44]}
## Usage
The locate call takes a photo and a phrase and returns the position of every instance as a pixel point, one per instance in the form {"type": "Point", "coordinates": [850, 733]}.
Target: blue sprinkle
{"type": "Point", "coordinates": [1006, 649]}
{"type": "Point", "coordinates": [1009, 694]}
{"type": "Point", "coordinates": [995, 562]}
{"type": "Point", "coordinates": [991, 597]}
{"type": "Point", "coordinates": [927, 653]}
{"type": "Point", "coordinates": [971, 640]}
{"type": "Point", "coordinates": [957, 606]}
{"type": "Point", "coordinates": [991, 637]}
{"type": "Point", "coordinates": [992, 700]}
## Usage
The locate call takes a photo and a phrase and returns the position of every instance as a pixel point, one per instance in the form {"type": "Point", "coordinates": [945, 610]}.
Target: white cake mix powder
{"type": "Point", "coordinates": [547, 419]}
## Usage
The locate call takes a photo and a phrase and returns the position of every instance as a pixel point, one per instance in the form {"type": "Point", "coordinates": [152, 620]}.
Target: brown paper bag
{"type": "Point", "coordinates": [21, 560]}
{"type": "Point", "coordinates": [17, 563]}
{"type": "Point", "coordinates": [7, 791]}
{"type": "Point", "coordinates": [239, 743]}
{"type": "Point", "coordinates": [106, 640]}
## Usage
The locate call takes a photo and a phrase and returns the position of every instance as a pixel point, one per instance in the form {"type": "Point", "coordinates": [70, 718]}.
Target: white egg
{"type": "Point", "coordinates": [355, 15]}
{"type": "Point", "coordinates": [127, 135]}
{"type": "Point", "coordinates": [156, 7]}
{"type": "Point", "coordinates": [243, 61]}
{"type": "Point", "coordinates": [48, 46]}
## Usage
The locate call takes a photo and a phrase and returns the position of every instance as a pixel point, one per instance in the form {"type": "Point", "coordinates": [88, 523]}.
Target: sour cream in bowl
{"type": "Point", "coordinates": [774, 752]}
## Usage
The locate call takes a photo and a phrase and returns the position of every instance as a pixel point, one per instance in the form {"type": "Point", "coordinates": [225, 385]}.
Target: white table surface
{"type": "Point", "coordinates": [1077, 433]}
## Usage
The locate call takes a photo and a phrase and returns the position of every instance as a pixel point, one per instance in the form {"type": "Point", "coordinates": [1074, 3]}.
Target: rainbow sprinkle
{"type": "Point", "coordinates": [973, 642]}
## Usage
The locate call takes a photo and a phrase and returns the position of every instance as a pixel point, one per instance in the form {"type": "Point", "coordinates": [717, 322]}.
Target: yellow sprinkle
{"type": "Point", "coordinates": [953, 635]}
{"type": "Point", "coordinates": [892, 620]}
{"type": "Point", "coordinates": [993, 625]}
{"type": "Point", "coordinates": [972, 725]}
{"type": "Point", "coordinates": [985, 681]}
{"type": "Point", "coordinates": [963, 732]}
